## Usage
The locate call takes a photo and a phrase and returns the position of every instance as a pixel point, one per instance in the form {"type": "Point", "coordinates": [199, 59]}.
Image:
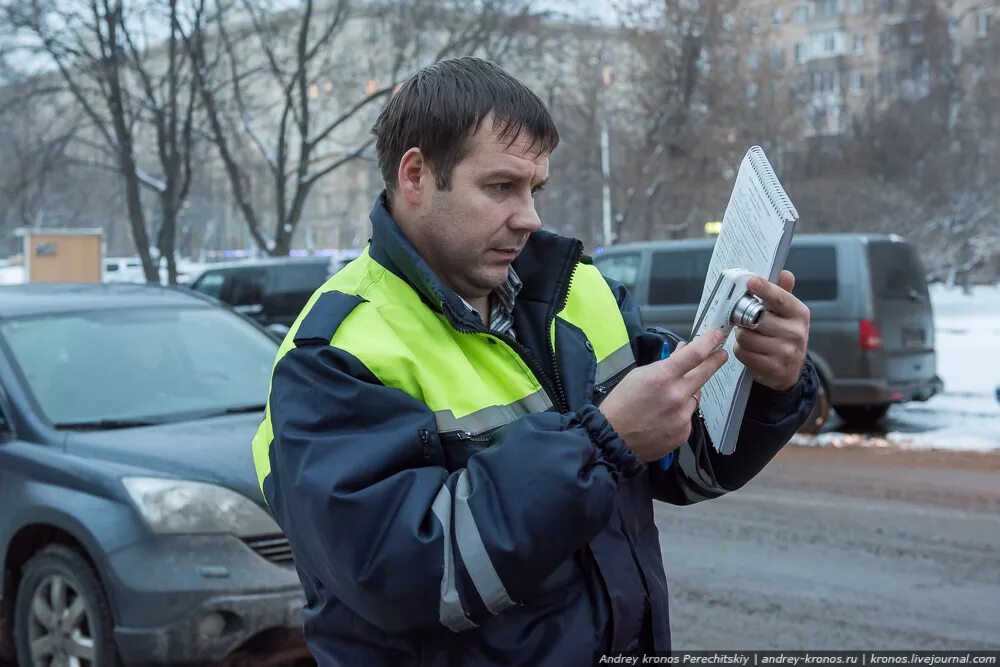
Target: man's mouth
{"type": "Point", "coordinates": [506, 253]}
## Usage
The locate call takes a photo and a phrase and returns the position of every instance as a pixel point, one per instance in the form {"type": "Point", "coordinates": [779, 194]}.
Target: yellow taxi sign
{"type": "Point", "coordinates": [713, 228]}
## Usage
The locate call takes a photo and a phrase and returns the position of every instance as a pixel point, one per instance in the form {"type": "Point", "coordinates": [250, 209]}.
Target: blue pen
{"type": "Point", "coordinates": [669, 458]}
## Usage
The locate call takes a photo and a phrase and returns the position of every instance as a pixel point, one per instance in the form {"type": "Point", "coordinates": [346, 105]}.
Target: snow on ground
{"type": "Point", "coordinates": [967, 415]}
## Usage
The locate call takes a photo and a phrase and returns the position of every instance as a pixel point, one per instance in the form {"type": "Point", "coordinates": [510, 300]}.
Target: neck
{"type": "Point", "coordinates": [482, 306]}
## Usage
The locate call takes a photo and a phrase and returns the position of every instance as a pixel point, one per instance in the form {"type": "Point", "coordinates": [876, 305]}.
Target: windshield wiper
{"type": "Point", "coordinates": [240, 409]}
{"type": "Point", "coordinates": [107, 424]}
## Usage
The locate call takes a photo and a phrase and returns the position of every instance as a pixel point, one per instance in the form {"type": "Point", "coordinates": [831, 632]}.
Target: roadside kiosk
{"type": "Point", "coordinates": [62, 255]}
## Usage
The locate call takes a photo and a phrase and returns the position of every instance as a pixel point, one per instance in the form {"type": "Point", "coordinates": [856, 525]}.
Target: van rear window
{"type": "Point", "coordinates": [815, 269]}
{"type": "Point", "coordinates": [897, 272]}
{"type": "Point", "coordinates": [677, 276]}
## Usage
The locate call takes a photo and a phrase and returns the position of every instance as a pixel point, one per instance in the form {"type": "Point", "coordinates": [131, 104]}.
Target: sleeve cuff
{"type": "Point", "coordinates": [611, 448]}
{"type": "Point", "coordinates": [769, 406]}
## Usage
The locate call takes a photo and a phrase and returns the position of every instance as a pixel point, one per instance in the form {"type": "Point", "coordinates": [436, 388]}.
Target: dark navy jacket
{"type": "Point", "coordinates": [358, 477]}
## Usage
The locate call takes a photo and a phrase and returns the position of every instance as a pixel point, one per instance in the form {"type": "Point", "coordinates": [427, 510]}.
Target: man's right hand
{"type": "Point", "coordinates": [651, 408]}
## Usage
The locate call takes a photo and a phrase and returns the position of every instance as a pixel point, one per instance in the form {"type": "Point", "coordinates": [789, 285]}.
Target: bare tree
{"type": "Point", "coordinates": [704, 90]}
{"type": "Point", "coordinates": [122, 66]}
{"type": "Point", "coordinates": [300, 87]}
{"type": "Point", "coordinates": [943, 92]}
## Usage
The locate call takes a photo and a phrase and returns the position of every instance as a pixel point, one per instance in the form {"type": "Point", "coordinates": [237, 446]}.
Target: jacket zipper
{"type": "Point", "coordinates": [605, 387]}
{"type": "Point", "coordinates": [562, 296]}
{"type": "Point", "coordinates": [553, 387]}
{"type": "Point", "coordinates": [466, 436]}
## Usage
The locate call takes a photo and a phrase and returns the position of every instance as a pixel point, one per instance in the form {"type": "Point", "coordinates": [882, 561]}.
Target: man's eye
{"type": "Point", "coordinates": [501, 188]}
{"type": "Point", "coordinates": [537, 190]}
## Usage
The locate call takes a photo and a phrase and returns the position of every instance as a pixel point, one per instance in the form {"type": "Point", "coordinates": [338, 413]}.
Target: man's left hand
{"type": "Point", "coordinates": [775, 351]}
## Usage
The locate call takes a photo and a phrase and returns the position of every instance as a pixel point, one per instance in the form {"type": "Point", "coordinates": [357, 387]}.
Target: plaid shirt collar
{"type": "Point", "coordinates": [502, 304]}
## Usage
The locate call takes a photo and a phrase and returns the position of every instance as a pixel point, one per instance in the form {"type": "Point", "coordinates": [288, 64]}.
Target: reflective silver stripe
{"type": "Point", "coordinates": [477, 560]}
{"type": "Point", "coordinates": [699, 477]}
{"type": "Point", "coordinates": [614, 363]}
{"type": "Point", "coordinates": [451, 613]}
{"type": "Point", "coordinates": [494, 416]}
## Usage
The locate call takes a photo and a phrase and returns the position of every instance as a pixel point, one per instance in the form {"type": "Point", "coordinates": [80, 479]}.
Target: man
{"type": "Point", "coordinates": [465, 424]}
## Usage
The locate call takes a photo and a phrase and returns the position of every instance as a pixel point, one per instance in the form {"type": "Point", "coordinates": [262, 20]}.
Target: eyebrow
{"type": "Point", "coordinates": [512, 175]}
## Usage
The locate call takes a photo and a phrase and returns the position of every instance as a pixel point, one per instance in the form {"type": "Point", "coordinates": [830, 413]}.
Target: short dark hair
{"type": "Point", "coordinates": [441, 106]}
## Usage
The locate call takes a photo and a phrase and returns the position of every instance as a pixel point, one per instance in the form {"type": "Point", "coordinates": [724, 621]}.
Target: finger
{"type": "Point", "coordinates": [756, 341]}
{"type": "Point", "coordinates": [771, 326]}
{"type": "Point", "coordinates": [700, 374]}
{"type": "Point", "coordinates": [786, 281]}
{"type": "Point", "coordinates": [757, 363]}
{"type": "Point", "coordinates": [691, 355]}
{"type": "Point", "coordinates": [775, 298]}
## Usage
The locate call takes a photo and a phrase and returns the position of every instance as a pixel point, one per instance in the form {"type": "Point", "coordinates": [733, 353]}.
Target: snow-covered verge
{"type": "Point", "coordinates": [967, 415]}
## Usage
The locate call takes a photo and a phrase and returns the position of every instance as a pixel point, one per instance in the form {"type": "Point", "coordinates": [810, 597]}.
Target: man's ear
{"type": "Point", "coordinates": [412, 177]}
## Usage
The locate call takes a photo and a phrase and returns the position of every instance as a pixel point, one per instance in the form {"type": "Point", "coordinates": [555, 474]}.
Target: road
{"type": "Point", "coordinates": [842, 549]}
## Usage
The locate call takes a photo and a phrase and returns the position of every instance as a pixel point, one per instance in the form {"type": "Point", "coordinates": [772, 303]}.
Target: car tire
{"type": "Point", "coordinates": [861, 416]}
{"type": "Point", "coordinates": [820, 413]}
{"type": "Point", "coordinates": [61, 611]}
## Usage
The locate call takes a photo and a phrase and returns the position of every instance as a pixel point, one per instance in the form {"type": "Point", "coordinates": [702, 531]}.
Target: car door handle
{"type": "Point", "coordinates": [253, 309]}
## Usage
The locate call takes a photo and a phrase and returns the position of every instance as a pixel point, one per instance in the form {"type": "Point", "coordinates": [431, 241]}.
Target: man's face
{"type": "Point", "coordinates": [470, 234]}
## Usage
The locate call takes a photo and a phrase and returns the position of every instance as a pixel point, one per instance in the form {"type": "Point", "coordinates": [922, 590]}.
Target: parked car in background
{"type": "Point", "coordinates": [271, 291]}
{"type": "Point", "coordinates": [872, 328]}
{"type": "Point", "coordinates": [123, 270]}
{"type": "Point", "coordinates": [133, 527]}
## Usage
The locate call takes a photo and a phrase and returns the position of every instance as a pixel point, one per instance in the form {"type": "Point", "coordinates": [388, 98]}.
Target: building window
{"type": "Point", "coordinates": [916, 34]}
{"type": "Point", "coordinates": [776, 16]}
{"type": "Point", "coordinates": [857, 82]}
{"type": "Point", "coordinates": [982, 24]}
{"type": "Point", "coordinates": [828, 8]}
{"type": "Point", "coordinates": [829, 43]}
{"type": "Point", "coordinates": [752, 59]}
{"type": "Point", "coordinates": [801, 13]}
{"type": "Point", "coordinates": [752, 89]}
{"type": "Point", "coordinates": [800, 53]}
{"type": "Point", "coordinates": [858, 6]}
{"type": "Point", "coordinates": [859, 45]}
{"type": "Point", "coordinates": [883, 40]}
{"type": "Point", "coordinates": [777, 57]}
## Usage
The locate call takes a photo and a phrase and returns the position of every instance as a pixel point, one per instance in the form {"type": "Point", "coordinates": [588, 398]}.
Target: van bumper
{"type": "Point", "coordinates": [880, 392]}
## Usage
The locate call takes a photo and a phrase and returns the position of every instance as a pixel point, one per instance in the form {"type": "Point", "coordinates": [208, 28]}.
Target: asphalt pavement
{"type": "Point", "coordinates": [841, 549]}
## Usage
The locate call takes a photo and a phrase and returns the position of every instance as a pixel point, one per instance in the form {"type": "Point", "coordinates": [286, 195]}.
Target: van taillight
{"type": "Point", "coordinates": [869, 335]}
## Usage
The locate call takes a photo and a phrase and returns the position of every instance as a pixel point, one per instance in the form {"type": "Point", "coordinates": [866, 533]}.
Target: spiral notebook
{"type": "Point", "coordinates": [756, 232]}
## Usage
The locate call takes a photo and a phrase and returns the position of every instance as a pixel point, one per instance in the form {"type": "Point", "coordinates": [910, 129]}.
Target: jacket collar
{"type": "Point", "coordinates": [544, 267]}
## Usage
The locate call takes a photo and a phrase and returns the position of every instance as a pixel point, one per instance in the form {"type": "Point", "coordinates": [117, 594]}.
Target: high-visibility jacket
{"type": "Point", "coordinates": [454, 496]}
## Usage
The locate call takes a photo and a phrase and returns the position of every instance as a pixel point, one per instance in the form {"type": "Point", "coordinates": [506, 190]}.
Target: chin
{"type": "Point", "coordinates": [492, 277]}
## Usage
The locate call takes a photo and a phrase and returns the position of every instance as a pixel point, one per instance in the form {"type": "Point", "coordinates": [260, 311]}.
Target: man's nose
{"type": "Point", "coordinates": [526, 218]}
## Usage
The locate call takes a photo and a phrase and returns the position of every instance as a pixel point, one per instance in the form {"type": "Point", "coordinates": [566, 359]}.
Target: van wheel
{"type": "Point", "coordinates": [862, 416]}
{"type": "Point", "coordinates": [820, 412]}
{"type": "Point", "coordinates": [61, 615]}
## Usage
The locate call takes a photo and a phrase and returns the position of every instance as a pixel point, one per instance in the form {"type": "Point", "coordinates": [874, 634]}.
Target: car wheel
{"type": "Point", "coordinates": [861, 416]}
{"type": "Point", "coordinates": [61, 615]}
{"type": "Point", "coordinates": [820, 412]}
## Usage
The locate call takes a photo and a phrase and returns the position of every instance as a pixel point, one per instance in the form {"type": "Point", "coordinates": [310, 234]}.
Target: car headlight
{"type": "Point", "coordinates": [180, 506]}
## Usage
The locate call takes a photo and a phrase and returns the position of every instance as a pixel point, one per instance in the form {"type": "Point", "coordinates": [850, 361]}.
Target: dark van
{"type": "Point", "coordinates": [872, 328]}
{"type": "Point", "coordinates": [271, 291]}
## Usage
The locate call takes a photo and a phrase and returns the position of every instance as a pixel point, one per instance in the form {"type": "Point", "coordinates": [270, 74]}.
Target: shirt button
{"type": "Point", "coordinates": [589, 346]}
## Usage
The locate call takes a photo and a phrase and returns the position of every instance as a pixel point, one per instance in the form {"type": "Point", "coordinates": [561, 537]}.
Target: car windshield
{"type": "Point", "coordinates": [116, 368]}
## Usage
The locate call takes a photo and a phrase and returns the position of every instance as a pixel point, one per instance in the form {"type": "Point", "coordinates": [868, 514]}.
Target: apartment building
{"type": "Point", "coordinates": [846, 57]}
